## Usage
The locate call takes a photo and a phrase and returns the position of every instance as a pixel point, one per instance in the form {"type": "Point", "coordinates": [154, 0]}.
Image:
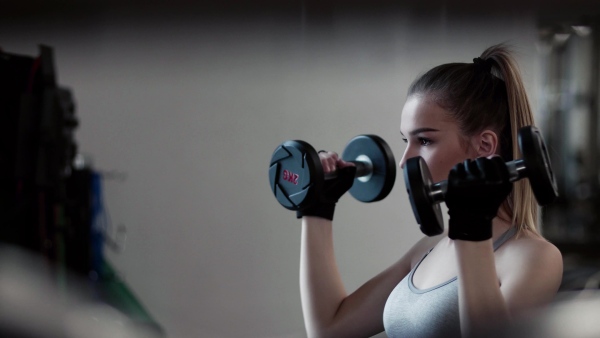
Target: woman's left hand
{"type": "Point", "coordinates": [476, 190]}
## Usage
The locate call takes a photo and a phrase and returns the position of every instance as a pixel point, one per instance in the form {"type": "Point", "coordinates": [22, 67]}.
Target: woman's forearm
{"type": "Point", "coordinates": [321, 287]}
{"type": "Point", "coordinates": [480, 300]}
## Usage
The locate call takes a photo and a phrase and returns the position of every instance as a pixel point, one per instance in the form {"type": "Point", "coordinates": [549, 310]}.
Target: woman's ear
{"type": "Point", "coordinates": [486, 143]}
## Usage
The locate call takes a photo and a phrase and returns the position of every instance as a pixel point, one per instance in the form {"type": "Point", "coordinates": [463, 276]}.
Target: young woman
{"type": "Point", "coordinates": [491, 265]}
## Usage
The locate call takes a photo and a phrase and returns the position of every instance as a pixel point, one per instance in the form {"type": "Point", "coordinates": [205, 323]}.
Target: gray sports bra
{"type": "Point", "coordinates": [432, 312]}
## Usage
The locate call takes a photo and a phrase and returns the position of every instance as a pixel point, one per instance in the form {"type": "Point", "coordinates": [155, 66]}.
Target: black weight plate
{"type": "Point", "coordinates": [379, 185]}
{"type": "Point", "coordinates": [418, 186]}
{"type": "Point", "coordinates": [295, 174]}
{"type": "Point", "coordinates": [537, 164]}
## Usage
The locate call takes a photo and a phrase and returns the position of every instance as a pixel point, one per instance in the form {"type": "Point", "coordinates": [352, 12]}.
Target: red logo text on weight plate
{"type": "Point", "coordinates": [290, 177]}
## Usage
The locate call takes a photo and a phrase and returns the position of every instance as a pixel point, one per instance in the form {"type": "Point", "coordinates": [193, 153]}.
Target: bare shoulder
{"type": "Point", "coordinates": [531, 248]}
{"type": "Point", "coordinates": [528, 263]}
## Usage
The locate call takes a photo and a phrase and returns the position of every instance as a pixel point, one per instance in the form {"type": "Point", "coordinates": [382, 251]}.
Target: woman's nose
{"type": "Point", "coordinates": [405, 156]}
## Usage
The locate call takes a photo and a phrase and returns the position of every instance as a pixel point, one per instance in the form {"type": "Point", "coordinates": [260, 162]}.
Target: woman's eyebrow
{"type": "Point", "coordinates": [422, 130]}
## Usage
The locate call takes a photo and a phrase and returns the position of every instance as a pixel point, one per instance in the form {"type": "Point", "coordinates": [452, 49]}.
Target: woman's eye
{"type": "Point", "coordinates": [405, 140]}
{"type": "Point", "coordinates": [424, 141]}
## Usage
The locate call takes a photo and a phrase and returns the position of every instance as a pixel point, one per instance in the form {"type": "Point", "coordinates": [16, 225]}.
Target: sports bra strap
{"type": "Point", "coordinates": [504, 237]}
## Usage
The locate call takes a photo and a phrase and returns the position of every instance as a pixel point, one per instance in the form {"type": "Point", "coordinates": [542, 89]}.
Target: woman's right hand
{"type": "Point", "coordinates": [330, 161]}
{"type": "Point", "coordinates": [333, 189]}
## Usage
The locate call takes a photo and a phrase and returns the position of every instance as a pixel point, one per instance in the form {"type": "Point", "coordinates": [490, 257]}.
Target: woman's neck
{"type": "Point", "coordinates": [501, 223]}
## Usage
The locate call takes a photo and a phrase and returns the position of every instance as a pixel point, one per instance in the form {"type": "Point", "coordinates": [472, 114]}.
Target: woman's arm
{"type": "Point", "coordinates": [479, 297]}
{"type": "Point", "coordinates": [321, 287]}
{"type": "Point", "coordinates": [328, 310]}
{"type": "Point", "coordinates": [476, 190]}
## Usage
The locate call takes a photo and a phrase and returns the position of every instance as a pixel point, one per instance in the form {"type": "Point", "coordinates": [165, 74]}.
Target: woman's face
{"type": "Point", "coordinates": [431, 133]}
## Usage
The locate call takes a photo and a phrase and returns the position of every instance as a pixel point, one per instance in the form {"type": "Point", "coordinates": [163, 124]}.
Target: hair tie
{"type": "Point", "coordinates": [484, 66]}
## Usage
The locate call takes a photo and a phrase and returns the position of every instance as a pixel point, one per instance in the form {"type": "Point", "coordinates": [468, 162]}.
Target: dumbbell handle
{"type": "Point", "coordinates": [516, 171]}
{"type": "Point", "coordinates": [364, 169]}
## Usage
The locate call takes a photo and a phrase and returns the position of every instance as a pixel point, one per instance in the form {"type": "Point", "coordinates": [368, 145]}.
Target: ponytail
{"type": "Point", "coordinates": [521, 204]}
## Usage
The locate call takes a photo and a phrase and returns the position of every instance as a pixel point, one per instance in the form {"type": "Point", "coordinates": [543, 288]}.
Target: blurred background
{"type": "Point", "coordinates": [179, 106]}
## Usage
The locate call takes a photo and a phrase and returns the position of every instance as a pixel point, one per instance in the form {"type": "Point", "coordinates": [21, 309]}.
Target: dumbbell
{"type": "Point", "coordinates": [425, 195]}
{"type": "Point", "coordinates": [297, 177]}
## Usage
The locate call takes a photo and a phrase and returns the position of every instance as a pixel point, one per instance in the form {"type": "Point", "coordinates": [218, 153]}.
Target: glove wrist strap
{"type": "Point", "coordinates": [475, 230]}
{"type": "Point", "coordinates": [323, 210]}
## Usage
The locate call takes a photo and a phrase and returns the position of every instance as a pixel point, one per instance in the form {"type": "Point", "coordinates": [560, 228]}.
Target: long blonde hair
{"type": "Point", "coordinates": [488, 93]}
{"type": "Point", "coordinates": [521, 202]}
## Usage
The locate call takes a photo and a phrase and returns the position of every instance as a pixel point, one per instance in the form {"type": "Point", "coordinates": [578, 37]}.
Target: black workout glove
{"type": "Point", "coordinates": [332, 190]}
{"type": "Point", "coordinates": [476, 190]}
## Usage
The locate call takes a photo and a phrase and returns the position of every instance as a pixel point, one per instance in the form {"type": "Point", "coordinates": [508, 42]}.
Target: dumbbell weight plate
{"type": "Point", "coordinates": [295, 174]}
{"type": "Point", "coordinates": [378, 185]}
{"type": "Point", "coordinates": [418, 184]}
{"type": "Point", "coordinates": [539, 171]}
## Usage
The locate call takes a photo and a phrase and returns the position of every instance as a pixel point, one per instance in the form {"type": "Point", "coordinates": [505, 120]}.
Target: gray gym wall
{"type": "Point", "coordinates": [190, 108]}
